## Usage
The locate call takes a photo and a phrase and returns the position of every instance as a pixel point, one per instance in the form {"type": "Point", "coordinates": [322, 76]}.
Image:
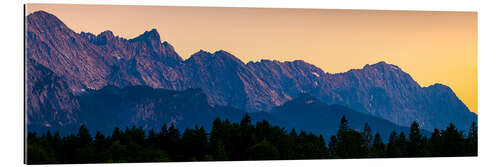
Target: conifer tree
{"type": "Point", "coordinates": [84, 137]}
{"type": "Point", "coordinates": [349, 142]}
{"type": "Point", "coordinates": [367, 136]}
{"type": "Point", "coordinates": [415, 145]}
{"type": "Point", "coordinates": [472, 140]}
{"type": "Point", "coordinates": [392, 150]}
{"type": "Point", "coordinates": [116, 134]}
{"type": "Point", "coordinates": [343, 124]}
{"type": "Point", "coordinates": [453, 141]}
{"type": "Point", "coordinates": [377, 149]}
{"type": "Point", "coordinates": [332, 146]}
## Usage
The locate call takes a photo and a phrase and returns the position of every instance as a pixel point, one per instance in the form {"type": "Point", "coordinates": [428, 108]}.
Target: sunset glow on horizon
{"type": "Point", "coordinates": [433, 47]}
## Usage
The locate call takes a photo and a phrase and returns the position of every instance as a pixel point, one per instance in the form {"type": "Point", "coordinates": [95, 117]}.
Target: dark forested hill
{"type": "Point", "coordinates": [149, 108]}
{"type": "Point", "coordinates": [308, 113]}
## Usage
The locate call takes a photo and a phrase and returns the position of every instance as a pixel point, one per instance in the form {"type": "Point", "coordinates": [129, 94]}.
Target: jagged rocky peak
{"type": "Point", "coordinates": [40, 13]}
{"type": "Point", "coordinates": [202, 53]}
{"type": "Point", "coordinates": [263, 62]}
{"type": "Point", "coordinates": [43, 22]}
{"type": "Point", "coordinates": [102, 39]}
{"type": "Point", "coordinates": [307, 66]}
{"type": "Point", "coordinates": [386, 68]}
{"type": "Point", "coordinates": [440, 88]}
{"type": "Point", "coordinates": [106, 35]}
{"type": "Point", "coordinates": [199, 57]}
{"type": "Point", "coordinates": [43, 17]}
{"type": "Point", "coordinates": [382, 65]}
{"type": "Point", "coordinates": [394, 80]}
{"type": "Point", "coordinates": [203, 56]}
{"type": "Point", "coordinates": [151, 35]}
{"type": "Point", "coordinates": [222, 54]}
{"type": "Point", "coordinates": [87, 35]}
{"type": "Point", "coordinates": [300, 62]}
{"type": "Point", "coordinates": [267, 61]}
{"type": "Point", "coordinates": [168, 46]}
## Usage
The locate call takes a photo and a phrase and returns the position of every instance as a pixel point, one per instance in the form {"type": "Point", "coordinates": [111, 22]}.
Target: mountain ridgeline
{"type": "Point", "coordinates": [104, 80]}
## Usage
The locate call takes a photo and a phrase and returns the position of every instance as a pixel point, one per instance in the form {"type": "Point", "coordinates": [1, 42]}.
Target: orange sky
{"type": "Point", "coordinates": [434, 47]}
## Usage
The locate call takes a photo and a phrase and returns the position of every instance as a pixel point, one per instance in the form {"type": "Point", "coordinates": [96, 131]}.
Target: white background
{"type": "Point", "coordinates": [11, 76]}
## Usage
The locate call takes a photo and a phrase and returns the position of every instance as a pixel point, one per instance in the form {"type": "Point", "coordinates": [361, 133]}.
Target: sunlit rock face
{"type": "Point", "coordinates": [71, 64]}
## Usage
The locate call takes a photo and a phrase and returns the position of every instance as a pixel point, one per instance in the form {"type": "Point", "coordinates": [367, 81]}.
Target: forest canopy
{"type": "Point", "coordinates": [235, 141]}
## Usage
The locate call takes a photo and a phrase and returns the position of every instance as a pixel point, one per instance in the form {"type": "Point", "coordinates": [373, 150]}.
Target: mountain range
{"type": "Point", "coordinates": [68, 73]}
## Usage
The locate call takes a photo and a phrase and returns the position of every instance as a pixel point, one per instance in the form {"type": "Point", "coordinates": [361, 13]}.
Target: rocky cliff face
{"type": "Point", "coordinates": [91, 62]}
{"type": "Point", "coordinates": [384, 90]}
{"type": "Point", "coordinates": [85, 62]}
{"type": "Point", "coordinates": [49, 101]}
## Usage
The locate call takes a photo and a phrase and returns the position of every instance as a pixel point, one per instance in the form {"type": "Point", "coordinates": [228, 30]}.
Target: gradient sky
{"type": "Point", "coordinates": [433, 47]}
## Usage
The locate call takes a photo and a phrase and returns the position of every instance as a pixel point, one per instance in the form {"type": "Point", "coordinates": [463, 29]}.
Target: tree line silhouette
{"type": "Point", "coordinates": [243, 141]}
